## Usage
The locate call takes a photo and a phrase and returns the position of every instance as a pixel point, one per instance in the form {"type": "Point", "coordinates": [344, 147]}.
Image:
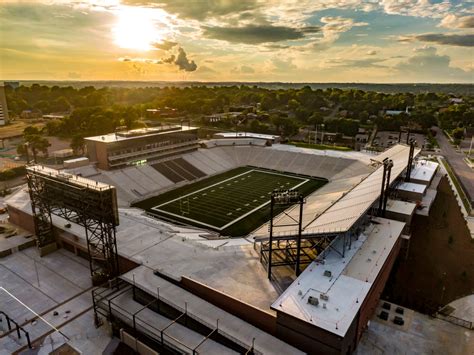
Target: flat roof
{"type": "Point", "coordinates": [412, 187]}
{"type": "Point", "coordinates": [76, 160]}
{"type": "Point", "coordinates": [401, 207]}
{"type": "Point", "coordinates": [246, 135]}
{"type": "Point", "coordinates": [348, 283]}
{"type": "Point", "coordinates": [70, 178]}
{"type": "Point", "coordinates": [424, 170]}
{"type": "Point", "coordinates": [231, 266]}
{"type": "Point", "coordinates": [139, 133]}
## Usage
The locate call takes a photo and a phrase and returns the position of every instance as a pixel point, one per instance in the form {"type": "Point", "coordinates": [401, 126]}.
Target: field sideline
{"type": "Point", "coordinates": [233, 203]}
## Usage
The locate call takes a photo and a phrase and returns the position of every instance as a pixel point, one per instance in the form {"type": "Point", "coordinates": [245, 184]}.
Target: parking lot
{"type": "Point", "coordinates": [386, 139]}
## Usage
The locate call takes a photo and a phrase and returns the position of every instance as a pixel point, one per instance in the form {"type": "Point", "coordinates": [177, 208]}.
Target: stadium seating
{"type": "Point", "coordinates": [178, 170]}
{"type": "Point", "coordinates": [138, 182]}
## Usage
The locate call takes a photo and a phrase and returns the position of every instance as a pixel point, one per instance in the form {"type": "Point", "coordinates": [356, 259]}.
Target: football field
{"type": "Point", "coordinates": [234, 203]}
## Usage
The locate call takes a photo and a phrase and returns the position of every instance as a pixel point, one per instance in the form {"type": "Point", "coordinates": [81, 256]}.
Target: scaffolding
{"type": "Point", "coordinates": [85, 202]}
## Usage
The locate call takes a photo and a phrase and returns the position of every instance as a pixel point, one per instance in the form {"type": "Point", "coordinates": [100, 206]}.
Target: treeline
{"type": "Point", "coordinates": [91, 111]}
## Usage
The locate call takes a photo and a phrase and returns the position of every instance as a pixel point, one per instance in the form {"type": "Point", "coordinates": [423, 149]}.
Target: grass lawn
{"type": "Point", "coordinates": [233, 203]}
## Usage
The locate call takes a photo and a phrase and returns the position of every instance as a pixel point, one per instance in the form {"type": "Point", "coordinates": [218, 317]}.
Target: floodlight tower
{"type": "Point", "coordinates": [388, 166]}
{"type": "Point", "coordinates": [387, 169]}
{"type": "Point", "coordinates": [410, 160]}
{"type": "Point", "coordinates": [281, 197]}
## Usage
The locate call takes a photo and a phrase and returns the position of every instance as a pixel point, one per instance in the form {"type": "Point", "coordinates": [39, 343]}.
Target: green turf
{"type": "Point", "coordinates": [233, 203]}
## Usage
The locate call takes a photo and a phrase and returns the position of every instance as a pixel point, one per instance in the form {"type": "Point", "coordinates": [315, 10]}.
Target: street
{"type": "Point", "coordinates": [455, 159]}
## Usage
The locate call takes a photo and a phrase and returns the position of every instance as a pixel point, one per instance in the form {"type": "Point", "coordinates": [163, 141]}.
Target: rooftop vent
{"type": "Point", "coordinates": [324, 297]}
{"type": "Point", "coordinates": [327, 273]}
{"type": "Point", "coordinates": [313, 301]}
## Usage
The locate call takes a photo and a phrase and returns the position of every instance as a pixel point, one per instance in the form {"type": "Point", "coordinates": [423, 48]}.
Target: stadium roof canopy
{"type": "Point", "coordinates": [342, 215]}
{"type": "Point", "coordinates": [339, 216]}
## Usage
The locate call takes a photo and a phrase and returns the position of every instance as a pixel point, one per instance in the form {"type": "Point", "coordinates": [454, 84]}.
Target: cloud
{"type": "Point", "coordinates": [453, 21]}
{"type": "Point", "coordinates": [180, 60]}
{"type": "Point", "coordinates": [140, 60]}
{"type": "Point", "coordinates": [425, 62]}
{"type": "Point", "coordinates": [243, 69]}
{"type": "Point", "coordinates": [332, 29]}
{"type": "Point", "coordinates": [371, 52]}
{"type": "Point", "coordinates": [74, 75]}
{"type": "Point", "coordinates": [198, 10]}
{"type": "Point", "coordinates": [360, 63]}
{"type": "Point", "coordinates": [206, 69]}
{"type": "Point", "coordinates": [183, 62]}
{"type": "Point", "coordinates": [256, 34]}
{"type": "Point", "coordinates": [417, 8]}
{"type": "Point", "coordinates": [462, 40]}
{"type": "Point", "coordinates": [169, 60]}
{"type": "Point", "coordinates": [165, 45]}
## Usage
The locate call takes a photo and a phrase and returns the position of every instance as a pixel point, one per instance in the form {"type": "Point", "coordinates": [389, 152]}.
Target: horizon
{"type": "Point", "coordinates": [239, 82]}
{"type": "Point", "coordinates": [388, 42]}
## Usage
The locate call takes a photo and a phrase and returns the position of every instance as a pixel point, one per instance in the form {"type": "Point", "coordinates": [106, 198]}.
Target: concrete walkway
{"type": "Point", "coordinates": [420, 335]}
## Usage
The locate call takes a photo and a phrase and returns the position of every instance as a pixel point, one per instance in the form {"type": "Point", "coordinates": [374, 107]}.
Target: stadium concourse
{"type": "Point", "coordinates": [219, 283]}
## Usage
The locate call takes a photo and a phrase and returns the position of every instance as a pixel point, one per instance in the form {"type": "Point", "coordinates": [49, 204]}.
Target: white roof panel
{"type": "Point", "coordinates": [347, 286]}
{"type": "Point", "coordinates": [412, 187]}
{"type": "Point", "coordinates": [342, 215]}
{"type": "Point", "coordinates": [424, 170]}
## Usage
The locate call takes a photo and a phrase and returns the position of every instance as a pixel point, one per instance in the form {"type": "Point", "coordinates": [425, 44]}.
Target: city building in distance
{"type": "Point", "coordinates": [4, 118]}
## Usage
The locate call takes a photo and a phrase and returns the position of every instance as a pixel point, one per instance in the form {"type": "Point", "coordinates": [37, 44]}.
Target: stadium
{"type": "Point", "coordinates": [232, 245]}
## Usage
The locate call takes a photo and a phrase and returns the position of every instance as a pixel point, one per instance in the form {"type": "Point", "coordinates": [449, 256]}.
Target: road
{"type": "Point", "coordinates": [464, 173]}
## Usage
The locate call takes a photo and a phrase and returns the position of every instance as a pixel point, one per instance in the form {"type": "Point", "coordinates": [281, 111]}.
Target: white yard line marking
{"type": "Point", "coordinates": [231, 222]}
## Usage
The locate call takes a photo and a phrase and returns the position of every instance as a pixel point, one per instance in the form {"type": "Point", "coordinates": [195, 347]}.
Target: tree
{"type": "Point", "coordinates": [458, 133]}
{"type": "Point", "coordinates": [78, 144]}
{"type": "Point", "coordinates": [35, 141]}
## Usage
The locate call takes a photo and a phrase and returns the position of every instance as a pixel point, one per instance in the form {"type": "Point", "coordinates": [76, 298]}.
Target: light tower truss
{"type": "Point", "coordinates": [90, 204]}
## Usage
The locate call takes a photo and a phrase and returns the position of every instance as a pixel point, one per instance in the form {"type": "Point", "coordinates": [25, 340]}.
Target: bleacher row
{"type": "Point", "coordinates": [137, 182]}
{"type": "Point", "coordinates": [219, 159]}
{"type": "Point", "coordinates": [178, 170]}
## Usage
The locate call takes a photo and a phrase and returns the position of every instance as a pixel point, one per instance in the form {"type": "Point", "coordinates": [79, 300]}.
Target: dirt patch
{"type": "Point", "coordinates": [439, 267]}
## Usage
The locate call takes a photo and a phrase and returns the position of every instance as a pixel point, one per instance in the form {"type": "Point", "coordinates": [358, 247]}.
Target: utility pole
{"type": "Point", "coordinates": [470, 148]}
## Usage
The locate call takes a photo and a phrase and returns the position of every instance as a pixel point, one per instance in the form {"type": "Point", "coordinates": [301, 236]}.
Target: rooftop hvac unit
{"type": "Point", "coordinates": [313, 301]}
{"type": "Point", "coordinates": [327, 273]}
{"type": "Point", "coordinates": [324, 297]}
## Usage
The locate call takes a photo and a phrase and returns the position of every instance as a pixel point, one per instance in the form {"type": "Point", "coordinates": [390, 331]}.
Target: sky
{"type": "Point", "coordinates": [386, 41]}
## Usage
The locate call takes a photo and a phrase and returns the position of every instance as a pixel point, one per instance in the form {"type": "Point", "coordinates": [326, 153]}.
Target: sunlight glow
{"type": "Point", "coordinates": [138, 28]}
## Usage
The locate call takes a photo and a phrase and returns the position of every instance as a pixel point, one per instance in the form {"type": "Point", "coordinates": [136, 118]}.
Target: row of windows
{"type": "Point", "coordinates": [149, 146]}
{"type": "Point", "coordinates": [169, 151]}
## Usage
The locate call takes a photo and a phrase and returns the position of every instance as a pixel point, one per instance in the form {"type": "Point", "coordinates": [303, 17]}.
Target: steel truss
{"type": "Point", "coordinates": [92, 207]}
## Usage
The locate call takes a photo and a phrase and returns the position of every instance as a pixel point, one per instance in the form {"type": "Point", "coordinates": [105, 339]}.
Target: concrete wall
{"type": "Point", "coordinates": [21, 218]}
{"type": "Point", "coordinates": [314, 340]}
{"type": "Point", "coordinates": [135, 344]}
{"type": "Point", "coordinates": [370, 303]}
{"type": "Point", "coordinates": [245, 311]}
{"type": "Point", "coordinates": [410, 195]}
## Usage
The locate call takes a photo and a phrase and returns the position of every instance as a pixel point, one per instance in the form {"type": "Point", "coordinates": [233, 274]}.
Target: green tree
{"type": "Point", "coordinates": [35, 141]}
{"type": "Point", "coordinates": [78, 144]}
{"type": "Point", "coordinates": [458, 133]}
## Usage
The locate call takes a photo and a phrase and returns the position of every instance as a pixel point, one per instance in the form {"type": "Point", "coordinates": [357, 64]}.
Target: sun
{"type": "Point", "coordinates": [138, 28]}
